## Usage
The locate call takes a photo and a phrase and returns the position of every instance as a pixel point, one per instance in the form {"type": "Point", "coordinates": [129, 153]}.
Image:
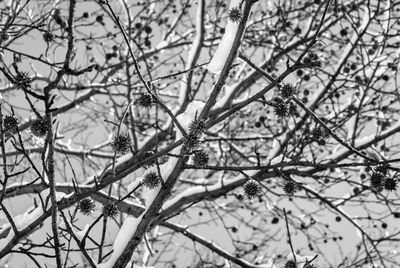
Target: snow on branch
{"type": "Point", "coordinates": [129, 227]}
{"type": "Point", "coordinates": [25, 219]}
{"type": "Point", "coordinates": [225, 46]}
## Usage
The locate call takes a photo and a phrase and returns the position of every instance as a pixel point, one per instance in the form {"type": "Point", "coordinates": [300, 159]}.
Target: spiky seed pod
{"type": "Point", "coordinates": [48, 37]}
{"type": "Point", "coordinates": [377, 180]}
{"type": "Point", "coordinates": [121, 143]}
{"type": "Point", "coordinates": [192, 141]}
{"type": "Point", "coordinates": [110, 210]}
{"type": "Point", "coordinates": [235, 14]}
{"type": "Point", "coordinates": [321, 142]}
{"type": "Point", "coordinates": [287, 90]}
{"type": "Point", "coordinates": [147, 155]}
{"type": "Point", "coordinates": [200, 158]}
{"type": "Point", "coordinates": [86, 206]}
{"type": "Point", "coordinates": [281, 108]}
{"type": "Point", "coordinates": [39, 127]}
{"type": "Point", "coordinates": [4, 36]}
{"type": "Point", "coordinates": [290, 187]}
{"type": "Point", "coordinates": [22, 79]}
{"type": "Point", "coordinates": [382, 169]}
{"type": "Point", "coordinates": [196, 127]}
{"type": "Point", "coordinates": [290, 264]}
{"type": "Point", "coordinates": [151, 180]}
{"type": "Point", "coordinates": [109, 56]}
{"type": "Point", "coordinates": [390, 184]}
{"type": "Point", "coordinates": [251, 189]}
{"type": "Point", "coordinates": [10, 122]}
{"type": "Point", "coordinates": [145, 100]}
{"type": "Point", "coordinates": [318, 133]}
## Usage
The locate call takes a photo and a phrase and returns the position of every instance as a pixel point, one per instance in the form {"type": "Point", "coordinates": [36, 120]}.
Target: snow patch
{"type": "Point", "coordinates": [278, 160]}
{"type": "Point", "coordinates": [23, 220]}
{"type": "Point", "coordinates": [276, 146]}
{"type": "Point", "coordinates": [299, 258]}
{"type": "Point", "coordinates": [81, 234]}
{"type": "Point", "coordinates": [225, 46]}
{"type": "Point", "coordinates": [127, 230]}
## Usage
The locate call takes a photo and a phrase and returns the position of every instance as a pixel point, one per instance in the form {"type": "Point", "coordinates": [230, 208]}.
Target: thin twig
{"type": "Point", "coordinates": [289, 237]}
